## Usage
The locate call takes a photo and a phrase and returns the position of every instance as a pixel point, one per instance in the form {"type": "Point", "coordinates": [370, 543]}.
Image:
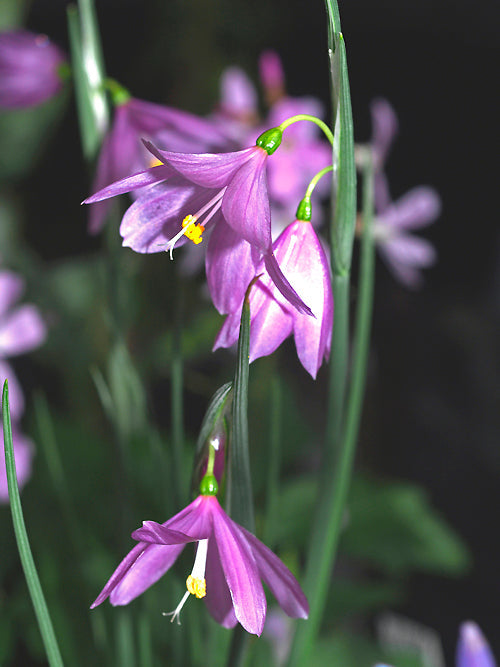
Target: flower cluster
{"type": "Point", "coordinates": [21, 330]}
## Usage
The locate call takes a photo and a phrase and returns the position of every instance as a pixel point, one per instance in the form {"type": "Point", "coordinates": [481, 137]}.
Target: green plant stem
{"type": "Point", "coordinates": [312, 119]}
{"type": "Point", "coordinates": [324, 548]}
{"type": "Point", "coordinates": [23, 545]}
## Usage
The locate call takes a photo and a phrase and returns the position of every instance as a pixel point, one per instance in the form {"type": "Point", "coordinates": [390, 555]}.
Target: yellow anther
{"type": "Point", "coordinates": [196, 586]}
{"type": "Point", "coordinates": [192, 231]}
{"type": "Point", "coordinates": [154, 162]}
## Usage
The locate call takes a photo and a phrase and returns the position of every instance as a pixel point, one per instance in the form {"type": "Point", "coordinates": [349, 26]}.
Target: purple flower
{"type": "Point", "coordinates": [21, 330]}
{"type": "Point", "coordinates": [404, 253]}
{"type": "Point", "coordinates": [304, 263]}
{"type": "Point", "coordinates": [229, 566]}
{"type": "Point", "coordinates": [201, 189]}
{"type": "Point", "coordinates": [473, 649]}
{"type": "Point", "coordinates": [123, 151]}
{"type": "Point", "coordinates": [23, 454]}
{"type": "Point", "coordinates": [272, 76]}
{"type": "Point", "coordinates": [29, 69]}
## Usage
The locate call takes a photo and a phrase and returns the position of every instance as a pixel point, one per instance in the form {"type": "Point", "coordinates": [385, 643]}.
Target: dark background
{"type": "Point", "coordinates": [432, 403]}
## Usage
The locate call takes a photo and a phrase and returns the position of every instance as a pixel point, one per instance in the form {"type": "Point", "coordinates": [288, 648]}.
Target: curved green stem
{"type": "Point", "coordinates": [304, 116]}
{"type": "Point", "coordinates": [316, 179]}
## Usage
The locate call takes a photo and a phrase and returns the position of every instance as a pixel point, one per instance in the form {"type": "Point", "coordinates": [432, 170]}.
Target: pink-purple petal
{"type": "Point", "coordinates": [240, 572]}
{"type": "Point", "coordinates": [218, 598]}
{"type": "Point", "coordinates": [21, 330]}
{"type": "Point", "coordinates": [144, 178]}
{"type": "Point", "coordinates": [473, 650]}
{"type": "Point", "coordinates": [231, 264]}
{"type": "Point", "coordinates": [150, 564]}
{"type": "Point", "coordinates": [11, 288]}
{"type": "Point", "coordinates": [245, 204]}
{"type": "Point", "coordinates": [385, 129]}
{"type": "Point", "coordinates": [282, 584]}
{"type": "Point", "coordinates": [417, 208]}
{"type": "Point", "coordinates": [209, 170]}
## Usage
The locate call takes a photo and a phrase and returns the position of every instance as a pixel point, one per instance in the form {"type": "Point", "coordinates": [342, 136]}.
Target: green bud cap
{"type": "Point", "coordinates": [270, 140]}
{"type": "Point", "coordinates": [304, 210]}
{"type": "Point", "coordinates": [209, 486]}
{"type": "Point", "coordinates": [119, 94]}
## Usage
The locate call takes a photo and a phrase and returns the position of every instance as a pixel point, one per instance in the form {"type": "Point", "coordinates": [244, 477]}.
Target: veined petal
{"type": "Point", "coordinates": [277, 576]}
{"type": "Point", "coordinates": [240, 571]}
{"type": "Point", "coordinates": [140, 571]}
{"type": "Point", "coordinates": [271, 323]}
{"type": "Point", "coordinates": [21, 330]}
{"type": "Point", "coordinates": [245, 204]}
{"type": "Point", "coordinates": [231, 264]}
{"type": "Point", "coordinates": [218, 598]}
{"type": "Point", "coordinates": [150, 176]}
{"type": "Point", "coordinates": [193, 523]}
{"type": "Point", "coordinates": [11, 288]}
{"type": "Point", "coordinates": [417, 208]}
{"type": "Point", "coordinates": [276, 275]}
{"type": "Point", "coordinates": [211, 170]}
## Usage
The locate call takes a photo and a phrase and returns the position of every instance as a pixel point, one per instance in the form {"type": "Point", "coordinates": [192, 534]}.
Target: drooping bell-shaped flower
{"type": "Point", "coordinates": [123, 152]}
{"type": "Point", "coordinates": [228, 570]}
{"type": "Point", "coordinates": [472, 648]}
{"type": "Point", "coordinates": [404, 253]}
{"type": "Point", "coordinates": [229, 186]}
{"type": "Point", "coordinates": [303, 261]}
{"type": "Point", "coordinates": [31, 69]}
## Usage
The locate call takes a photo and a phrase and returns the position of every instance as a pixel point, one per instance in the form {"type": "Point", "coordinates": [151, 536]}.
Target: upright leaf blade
{"type": "Point", "coordinates": [239, 487]}
{"type": "Point", "coordinates": [32, 580]}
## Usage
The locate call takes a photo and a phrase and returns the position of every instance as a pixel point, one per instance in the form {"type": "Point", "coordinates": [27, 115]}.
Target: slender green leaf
{"type": "Point", "coordinates": [88, 75]}
{"type": "Point", "coordinates": [239, 487]}
{"type": "Point", "coordinates": [32, 580]}
{"type": "Point", "coordinates": [344, 173]}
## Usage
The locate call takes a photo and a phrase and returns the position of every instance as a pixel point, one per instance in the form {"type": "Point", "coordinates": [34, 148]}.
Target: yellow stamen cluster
{"type": "Point", "coordinates": [154, 162]}
{"type": "Point", "coordinates": [192, 230]}
{"type": "Point", "coordinates": [196, 586]}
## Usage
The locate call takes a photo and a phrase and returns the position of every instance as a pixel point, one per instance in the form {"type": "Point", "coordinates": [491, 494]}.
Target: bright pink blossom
{"type": "Point", "coordinates": [229, 566]}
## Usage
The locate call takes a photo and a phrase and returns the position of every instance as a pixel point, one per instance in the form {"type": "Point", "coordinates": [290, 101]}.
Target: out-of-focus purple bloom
{"type": "Point", "coordinates": [198, 189]}
{"type": "Point", "coordinates": [23, 455]}
{"type": "Point", "coordinates": [30, 67]}
{"type": "Point", "coordinates": [272, 76]}
{"type": "Point", "coordinates": [123, 151]}
{"type": "Point", "coordinates": [233, 561]}
{"type": "Point", "coordinates": [473, 649]}
{"type": "Point", "coordinates": [404, 253]}
{"type": "Point", "coordinates": [279, 631]}
{"type": "Point", "coordinates": [303, 152]}
{"type": "Point", "coordinates": [21, 330]}
{"type": "Point", "coordinates": [304, 263]}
